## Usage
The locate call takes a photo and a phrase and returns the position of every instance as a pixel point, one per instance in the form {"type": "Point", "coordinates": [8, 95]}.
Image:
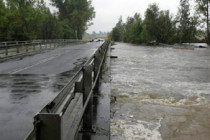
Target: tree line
{"type": "Point", "coordinates": [160, 26]}
{"type": "Point", "coordinates": [32, 19]}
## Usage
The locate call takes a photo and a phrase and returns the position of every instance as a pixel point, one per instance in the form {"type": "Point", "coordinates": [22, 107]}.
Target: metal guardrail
{"type": "Point", "coordinates": [14, 48]}
{"type": "Point", "coordinates": [72, 109]}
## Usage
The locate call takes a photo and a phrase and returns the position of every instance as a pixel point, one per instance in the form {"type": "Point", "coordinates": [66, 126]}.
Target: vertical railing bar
{"type": "Point", "coordinates": [6, 50]}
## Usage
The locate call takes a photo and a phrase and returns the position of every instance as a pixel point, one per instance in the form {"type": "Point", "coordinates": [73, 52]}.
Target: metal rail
{"type": "Point", "coordinates": [72, 109]}
{"type": "Point", "coordinates": [15, 48]}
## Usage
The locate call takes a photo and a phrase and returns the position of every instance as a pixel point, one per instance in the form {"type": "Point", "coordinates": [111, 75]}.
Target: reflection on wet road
{"type": "Point", "coordinates": [161, 93]}
{"type": "Point", "coordinates": [23, 95]}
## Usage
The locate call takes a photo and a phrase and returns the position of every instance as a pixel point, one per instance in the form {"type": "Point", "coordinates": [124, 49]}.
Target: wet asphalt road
{"type": "Point", "coordinates": [49, 62]}
{"type": "Point", "coordinates": [27, 85]}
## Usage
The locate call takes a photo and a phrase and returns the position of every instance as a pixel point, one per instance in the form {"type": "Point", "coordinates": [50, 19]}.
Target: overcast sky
{"type": "Point", "coordinates": [109, 11]}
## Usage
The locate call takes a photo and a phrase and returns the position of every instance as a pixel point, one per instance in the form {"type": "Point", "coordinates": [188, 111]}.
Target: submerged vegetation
{"type": "Point", "coordinates": [32, 19]}
{"type": "Point", "coordinates": [160, 26]}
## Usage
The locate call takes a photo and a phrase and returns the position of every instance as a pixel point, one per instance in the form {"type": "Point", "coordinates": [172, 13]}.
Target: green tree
{"type": "Point", "coordinates": [127, 36]}
{"type": "Point", "coordinates": [31, 19]}
{"type": "Point", "coordinates": [186, 23]}
{"type": "Point", "coordinates": [26, 19]}
{"type": "Point", "coordinates": [158, 26]}
{"type": "Point", "coordinates": [133, 29]}
{"type": "Point", "coordinates": [183, 18]}
{"type": "Point", "coordinates": [21, 18]}
{"type": "Point", "coordinates": [166, 28]}
{"type": "Point", "coordinates": [3, 21]}
{"type": "Point", "coordinates": [151, 18]}
{"type": "Point", "coordinates": [116, 34]}
{"type": "Point", "coordinates": [76, 14]}
{"type": "Point", "coordinates": [203, 8]}
{"type": "Point", "coordinates": [118, 31]}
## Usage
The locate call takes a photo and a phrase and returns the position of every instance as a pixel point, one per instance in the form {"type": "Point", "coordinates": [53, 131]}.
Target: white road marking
{"type": "Point", "coordinates": [38, 63]}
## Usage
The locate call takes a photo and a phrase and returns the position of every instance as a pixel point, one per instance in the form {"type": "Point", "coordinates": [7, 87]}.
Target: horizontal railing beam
{"type": "Point", "coordinates": [17, 48]}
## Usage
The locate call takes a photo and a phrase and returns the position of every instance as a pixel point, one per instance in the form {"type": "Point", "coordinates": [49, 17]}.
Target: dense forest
{"type": "Point", "coordinates": [160, 26]}
{"type": "Point", "coordinates": [32, 19]}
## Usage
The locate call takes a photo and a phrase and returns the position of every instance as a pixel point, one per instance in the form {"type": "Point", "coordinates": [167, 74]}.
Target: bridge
{"type": "Point", "coordinates": [77, 107]}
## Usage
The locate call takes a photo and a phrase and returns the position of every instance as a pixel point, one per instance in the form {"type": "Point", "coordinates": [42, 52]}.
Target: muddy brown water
{"type": "Point", "coordinates": [161, 93]}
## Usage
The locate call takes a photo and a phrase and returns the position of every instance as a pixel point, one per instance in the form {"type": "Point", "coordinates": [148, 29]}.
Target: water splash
{"type": "Point", "coordinates": [122, 129]}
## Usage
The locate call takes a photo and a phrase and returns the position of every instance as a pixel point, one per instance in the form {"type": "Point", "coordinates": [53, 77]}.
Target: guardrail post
{"type": "Point", "coordinates": [17, 49]}
{"type": "Point", "coordinates": [26, 47]}
{"type": "Point", "coordinates": [34, 47]}
{"type": "Point", "coordinates": [47, 127]}
{"type": "Point", "coordinates": [40, 47]}
{"type": "Point", "coordinates": [50, 43]}
{"type": "Point", "coordinates": [78, 87]}
{"type": "Point", "coordinates": [56, 43]}
{"type": "Point", "coordinates": [101, 52]}
{"type": "Point", "coordinates": [46, 43]}
{"type": "Point", "coordinates": [87, 85]}
{"type": "Point", "coordinates": [97, 61]}
{"type": "Point", "coordinates": [6, 51]}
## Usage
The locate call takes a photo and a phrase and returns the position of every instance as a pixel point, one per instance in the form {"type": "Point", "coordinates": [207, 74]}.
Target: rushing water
{"type": "Point", "coordinates": [160, 93]}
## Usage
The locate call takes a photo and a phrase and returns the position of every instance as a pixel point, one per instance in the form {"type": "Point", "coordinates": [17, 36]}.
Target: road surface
{"type": "Point", "coordinates": [27, 85]}
{"type": "Point", "coordinates": [50, 62]}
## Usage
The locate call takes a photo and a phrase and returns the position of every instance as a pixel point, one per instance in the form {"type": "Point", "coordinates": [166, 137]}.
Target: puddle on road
{"type": "Point", "coordinates": [160, 93]}
{"type": "Point", "coordinates": [23, 95]}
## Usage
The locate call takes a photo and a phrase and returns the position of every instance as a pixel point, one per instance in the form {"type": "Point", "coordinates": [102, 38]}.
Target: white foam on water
{"type": "Point", "coordinates": [198, 100]}
{"type": "Point", "coordinates": [125, 130]}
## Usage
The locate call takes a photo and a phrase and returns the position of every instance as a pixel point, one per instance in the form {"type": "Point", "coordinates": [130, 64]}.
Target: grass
{"type": "Point", "coordinates": [112, 43]}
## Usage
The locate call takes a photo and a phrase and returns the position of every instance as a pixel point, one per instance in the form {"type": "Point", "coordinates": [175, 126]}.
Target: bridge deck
{"type": "Point", "coordinates": [27, 85]}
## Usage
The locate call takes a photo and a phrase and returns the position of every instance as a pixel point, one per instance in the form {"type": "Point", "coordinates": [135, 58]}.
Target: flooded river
{"type": "Point", "coordinates": [160, 93]}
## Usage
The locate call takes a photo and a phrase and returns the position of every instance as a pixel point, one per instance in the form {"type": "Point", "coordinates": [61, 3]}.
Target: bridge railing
{"type": "Point", "coordinates": [72, 109]}
{"type": "Point", "coordinates": [14, 48]}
